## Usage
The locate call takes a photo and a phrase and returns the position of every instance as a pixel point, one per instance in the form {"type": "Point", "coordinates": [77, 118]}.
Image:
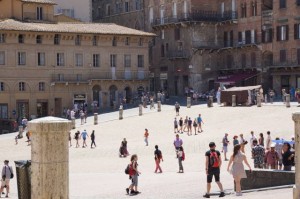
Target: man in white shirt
{"type": "Point", "coordinates": [252, 137]}
{"type": "Point", "coordinates": [268, 141]}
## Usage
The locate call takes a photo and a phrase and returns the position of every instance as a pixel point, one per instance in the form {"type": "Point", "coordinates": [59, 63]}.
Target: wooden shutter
{"type": "Point", "coordinates": [295, 31]}
{"type": "Point", "coordinates": [240, 37]}
{"type": "Point", "coordinates": [263, 35]}
{"type": "Point", "coordinates": [271, 34]}
{"type": "Point", "coordinates": [298, 56]}
{"type": "Point", "coordinates": [231, 38]}
{"type": "Point", "coordinates": [225, 39]}
{"type": "Point", "coordinates": [287, 32]}
{"type": "Point", "coordinates": [278, 33]}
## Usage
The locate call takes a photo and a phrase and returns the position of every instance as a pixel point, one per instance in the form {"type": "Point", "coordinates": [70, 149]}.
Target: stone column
{"type": "Point", "coordinates": [296, 118]}
{"type": "Point", "coordinates": [211, 98]}
{"type": "Point", "coordinates": [73, 123]}
{"type": "Point", "coordinates": [158, 106]}
{"type": "Point", "coordinates": [121, 113]}
{"type": "Point", "coordinates": [140, 110]}
{"type": "Point", "coordinates": [50, 158]}
{"type": "Point", "coordinates": [95, 118]}
{"type": "Point", "coordinates": [188, 102]}
{"type": "Point", "coordinates": [288, 100]}
{"type": "Point", "coordinates": [258, 98]}
{"type": "Point", "coordinates": [233, 100]}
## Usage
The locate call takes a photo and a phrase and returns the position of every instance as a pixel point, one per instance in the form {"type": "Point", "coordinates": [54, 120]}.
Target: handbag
{"type": "Point", "coordinates": [11, 173]}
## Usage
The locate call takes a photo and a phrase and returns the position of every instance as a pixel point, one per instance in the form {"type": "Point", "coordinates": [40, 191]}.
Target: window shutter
{"type": "Point", "coordinates": [278, 33]}
{"type": "Point", "coordinates": [287, 32]}
{"type": "Point", "coordinates": [231, 38]}
{"type": "Point", "coordinates": [298, 55]}
{"type": "Point", "coordinates": [263, 35]}
{"type": "Point", "coordinates": [271, 34]}
{"type": "Point", "coordinates": [240, 37]}
{"type": "Point", "coordinates": [225, 39]}
{"type": "Point", "coordinates": [295, 31]}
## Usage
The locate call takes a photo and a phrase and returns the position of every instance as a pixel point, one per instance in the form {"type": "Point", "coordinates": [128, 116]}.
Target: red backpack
{"type": "Point", "coordinates": [214, 159]}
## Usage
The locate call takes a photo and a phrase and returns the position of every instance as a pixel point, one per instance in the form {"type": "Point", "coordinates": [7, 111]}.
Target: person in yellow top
{"type": "Point", "coordinates": [146, 135]}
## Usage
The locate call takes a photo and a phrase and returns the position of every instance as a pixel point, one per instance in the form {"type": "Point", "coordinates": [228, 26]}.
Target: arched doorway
{"type": "Point", "coordinates": [96, 95]}
{"type": "Point", "coordinates": [113, 94]}
{"type": "Point", "coordinates": [128, 94]}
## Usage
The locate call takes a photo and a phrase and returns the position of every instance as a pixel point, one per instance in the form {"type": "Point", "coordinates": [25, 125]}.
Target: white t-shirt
{"type": "Point", "coordinates": [268, 141]}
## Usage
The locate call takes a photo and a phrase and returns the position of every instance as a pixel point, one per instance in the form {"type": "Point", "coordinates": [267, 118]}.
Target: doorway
{"type": "Point", "coordinates": [22, 109]}
{"type": "Point", "coordinates": [58, 107]}
{"type": "Point", "coordinates": [42, 109]}
{"type": "Point", "coordinates": [96, 94]}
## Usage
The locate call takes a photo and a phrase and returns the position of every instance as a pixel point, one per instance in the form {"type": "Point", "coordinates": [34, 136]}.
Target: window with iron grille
{"type": "Point", "coordinates": [60, 59]}
{"type": "Point", "coordinates": [22, 86]}
{"type": "Point", "coordinates": [41, 59]}
{"type": "Point", "coordinates": [56, 39]}
{"type": "Point", "coordinates": [21, 58]}
{"type": "Point", "coordinates": [282, 56]}
{"type": "Point", "coordinates": [127, 60]}
{"type": "Point", "coordinates": [41, 86]}
{"type": "Point", "coordinates": [96, 60]}
{"type": "Point", "coordinates": [140, 61]}
{"type": "Point", "coordinates": [95, 40]}
{"type": "Point", "coordinates": [79, 59]}
{"type": "Point", "coordinates": [2, 57]}
{"type": "Point", "coordinates": [3, 111]}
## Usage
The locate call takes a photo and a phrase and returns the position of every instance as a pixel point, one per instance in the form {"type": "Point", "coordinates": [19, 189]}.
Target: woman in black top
{"type": "Point", "coordinates": [93, 139]}
{"type": "Point", "coordinates": [77, 138]}
{"type": "Point", "coordinates": [287, 157]}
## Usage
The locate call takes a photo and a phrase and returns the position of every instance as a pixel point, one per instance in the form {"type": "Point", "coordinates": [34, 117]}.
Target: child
{"type": "Point", "coordinates": [235, 140]}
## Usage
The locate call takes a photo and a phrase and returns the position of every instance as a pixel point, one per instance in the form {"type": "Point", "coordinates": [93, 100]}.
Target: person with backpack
{"type": "Point", "coordinates": [7, 174]}
{"type": "Point", "coordinates": [237, 170]}
{"type": "Point", "coordinates": [93, 139]}
{"type": "Point", "coordinates": [181, 157]}
{"type": "Point", "coordinates": [133, 173]}
{"type": "Point", "coordinates": [287, 157]}
{"type": "Point", "coordinates": [158, 157]}
{"type": "Point", "coordinates": [212, 166]}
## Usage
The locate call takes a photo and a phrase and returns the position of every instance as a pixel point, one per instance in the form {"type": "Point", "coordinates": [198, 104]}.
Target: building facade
{"type": "Point", "coordinates": [204, 44]}
{"type": "Point", "coordinates": [47, 66]}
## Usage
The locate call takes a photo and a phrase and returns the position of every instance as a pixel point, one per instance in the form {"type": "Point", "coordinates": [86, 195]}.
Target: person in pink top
{"type": "Point", "coordinates": [271, 158]}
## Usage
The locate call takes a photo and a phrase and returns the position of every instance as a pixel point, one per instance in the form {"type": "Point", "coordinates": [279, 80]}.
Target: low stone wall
{"type": "Point", "coordinates": [267, 178]}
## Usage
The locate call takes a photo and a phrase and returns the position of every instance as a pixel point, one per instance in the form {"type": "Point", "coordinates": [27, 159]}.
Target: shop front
{"type": "Point", "coordinates": [79, 101]}
{"type": "Point", "coordinates": [42, 108]}
{"type": "Point", "coordinates": [22, 109]}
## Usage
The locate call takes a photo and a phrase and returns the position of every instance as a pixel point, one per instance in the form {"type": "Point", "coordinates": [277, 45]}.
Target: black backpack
{"type": "Point", "coordinates": [127, 169]}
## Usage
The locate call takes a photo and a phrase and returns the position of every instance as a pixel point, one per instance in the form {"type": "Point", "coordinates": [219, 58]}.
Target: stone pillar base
{"type": "Point", "coordinates": [120, 113]}
{"type": "Point", "coordinates": [95, 118]}
{"type": "Point", "coordinates": [296, 192]}
{"type": "Point", "coordinates": [233, 101]}
{"type": "Point", "coordinates": [188, 102]}
{"type": "Point", "coordinates": [140, 110]}
{"type": "Point", "coordinates": [159, 106]}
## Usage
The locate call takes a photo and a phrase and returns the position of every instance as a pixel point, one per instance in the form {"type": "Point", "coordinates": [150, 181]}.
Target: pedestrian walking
{"type": "Point", "coordinates": [93, 137]}
{"type": "Point", "coordinates": [268, 140]}
{"type": "Point", "coordinates": [180, 124]}
{"type": "Point", "coordinates": [190, 126]}
{"type": "Point", "coordinates": [181, 157]}
{"type": "Point", "coordinates": [84, 135]}
{"type": "Point", "coordinates": [77, 137]}
{"type": "Point", "coordinates": [212, 166]}
{"type": "Point", "coordinates": [200, 122]}
{"type": "Point", "coordinates": [82, 115]}
{"type": "Point", "coordinates": [177, 143]}
{"type": "Point", "coordinates": [176, 126]}
{"type": "Point", "coordinates": [185, 123]}
{"type": "Point", "coordinates": [85, 116]}
{"type": "Point", "coordinates": [195, 125]}
{"type": "Point", "coordinates": [237, 170]}
{"type": "Point", "coordinates": [287, 157]}
{"type": "Point", "coordinates": [242, 142]}
{"type": "Point", "coordinates": [70, 139]}
{"type": "Point", "coordinates": [278, 149]}
{"type": "Point", "coordinates": [258, 154]}
{"type": "Point", "coordinates": [133, 176]}
{"type": "Point", "coordinates": [7, 174]}
{"type": "Point", "coordinates": [235, 140]}
{"type": "Point", "coordinates": [158, 157]}
{"type": "Point", "coordinates": [252, 137]}
{"type": "Point", "coordinates": [177, 107]}
{"type": "Point", "coordinates": [225, 143]}
{"type": "Point", "coordinates": [146, 135]}
{"type": "Point", "coordinates": [271, 158]}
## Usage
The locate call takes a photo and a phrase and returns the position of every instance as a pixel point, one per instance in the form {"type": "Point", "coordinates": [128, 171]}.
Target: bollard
{"type": "Point", "coordinates": [140, 110]}
{"type": "Point", "coordinates": [73, 123]}
{"type": "Point", "coordinates": [233, 100]}
{"type": "Point", "coordinates": [50, 158]}
{"type": "Point", "coordinates": [95, 118]}
{"type": "Point", "coordinates": [158, 106]}
{"type": "Point", "coordinates": [188, 102]}
{"type": "Point", "coordinates": [288, 100]}
{"type": "Point", "coordinates": [120, 113]}
{"type": "Point", "coordinates": [258, 98]}
{"type": "Point", "coordinates": [296, 189]}
{"type": "Point", "coordinates": [211, 99]}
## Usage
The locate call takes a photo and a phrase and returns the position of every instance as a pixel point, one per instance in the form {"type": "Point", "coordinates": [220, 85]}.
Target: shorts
{"type": "Point", "coordinates": [211, 173]}
{"type": "Point", "coordinates": [175, 126]}
{"type": "Point", "coordinates": [134, 180]}
{"type": "Point", "coordinates": [225, 149]}
{"type": "Point", "coordinates": [84, 138]}
{"type": "Point", "coordinates": [177, 110]}
{"type": "Point", "coordinates": [5, 182]}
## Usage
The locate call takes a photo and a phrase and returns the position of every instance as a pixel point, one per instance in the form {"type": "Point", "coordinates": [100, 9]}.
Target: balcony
{"type": "Point", "coordinates": [32, 16]}
{"type": "Point", "coordinates": [243, 43]}
{"type": "Point", "coordinates": [86, 78]}
{"type": "Point", "coordinates": [197, 16]}
{"type": "Point", "coordinates": [178, 54]}
{"type": "Point", "coordinates": [287, 64]}
{"type": "Point", "coordinates": [206, 45]}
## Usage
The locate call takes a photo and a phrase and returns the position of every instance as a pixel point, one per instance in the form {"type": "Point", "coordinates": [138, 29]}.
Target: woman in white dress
{"type": "Point", "coordinates": [237, 170]}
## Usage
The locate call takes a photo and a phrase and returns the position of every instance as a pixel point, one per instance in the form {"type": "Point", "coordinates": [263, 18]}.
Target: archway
{"type": "Point", "coordinates": [96, 95]}
{"type": "Point", "coordinates": [113, 94]}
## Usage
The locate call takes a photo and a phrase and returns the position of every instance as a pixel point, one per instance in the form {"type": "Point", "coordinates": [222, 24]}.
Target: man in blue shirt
{"type": "Point", "coordinates": [84, 135]}
{"type": "Point", "coordinates": [199, 121]}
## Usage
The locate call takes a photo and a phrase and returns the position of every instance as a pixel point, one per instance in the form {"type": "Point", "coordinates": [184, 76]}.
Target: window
{"type": "Point", "coordinates": [162, 34]}
{"type": "Point", "coordinates": [298, 2]}
{"type": "Point", "coordinates": [39, 39]}
{"type": "Point", "coordinates": [2, 38]}
{"type": "Point", "coordinates": [39, 13]}
{"type": "Point", "coordinates": [162, 51]}
{"type": "Point", "coordinates": [174, 10]}
{"type": "Point", "coordinates": [108, 10]}
{"type": "Point", "coordinates": [140, 61]}
{"type": "Point", "coordinates": [244, 10]}
{"type": "Point", "coordinates": [60, 77]}
{"type": "Point", "coordinates": [21, 39]}
{"type": "Point", "coordinates": [78, 77]}
{"type": "Point", "coordinates": [162, 14]}
{"type": "Point", "coordinates": [3, 111]}
{"type": "Point", "coordinates": [282, 57]}
{"type": "Point", "coordinates": [137, 4]}
{"type": "Point", "coordinates": [231, 38]}
{"type": "Point", "coordinates": [167, 47]}
{"type": "Point", "coordinates": [177, 34]}
{"type": "Point", "coordinates": [21, 86]}
{"type": "Point", "coordinates": [126, 6]}
{"type": "Point", "coordinates": [229, 61]}
{"type": "Point", "coordinates": [151, 15]}
{"type": "Point", "coordinates": [298, 56]}
{"type": "Point", "coordinates": [41, 86]}
{"type": "Point", "coordinates": [179, 46]}
{"type": "Point", "coordinates": [253, 60]}
{"type": "Point", "coordinates": [267, 35]}
{"type": "Point", "coordinates": [21, 58]}
{"type": "Point", "coordinates": [282, 4]}
{"type": "Point", "coordinates": [118, 7]}
{"type": "Point", "coordinates": [140, 41]}
{"type": "Point", "coordinates": [79, 59]}
{"type": "Point", "coordinates": [243, 60]}
{"type": "Point", "coordinates": [283, 33]}
{"type": "Point", "coordinates": [2, 86]}
{"type": "Point", "coordinates": [248, 37]}
{"type": "Point", "coordinates": [78, 40]}
{"type": "Point", "coordinates": [127, 60]}
{"type": "Point", "coordinates": [297, 31]}
{"type": "Point", "coordinates": [127, 41]}
{"type": "Point", "coordinates": [2, 58]}
{"type": "Point", "coordinates": [41, 59]}
{"type": "Point", "coordinates": [96, 60]}
{"type": "Point", "coordinates": [113, 60]}
{"type": "Point", "coordinates": [56, 39]}
{"type": "Point", "coordinates": [60, 59]}
{"type": "Point", "coordinates": [114, 41]}
{"type": "Point", "coordinates": [95, 40]}
{"type": "Point", "coordinates": [254, 8]}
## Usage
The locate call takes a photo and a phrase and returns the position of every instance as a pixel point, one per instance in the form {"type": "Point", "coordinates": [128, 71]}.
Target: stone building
{"type": "Point", "coordinates": [207, 43]}
{"type": "Point", "coordinates": [47, 66]}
